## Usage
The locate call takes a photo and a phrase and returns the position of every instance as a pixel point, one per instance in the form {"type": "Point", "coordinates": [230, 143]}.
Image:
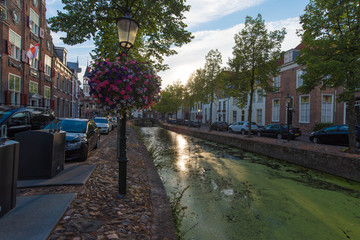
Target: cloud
{"type": "Point", "coordinates": [50, 2]}
{"type": "Point", "coordinates": [192, 56]}
{"type": "Point", "coordinates": [207, 10]}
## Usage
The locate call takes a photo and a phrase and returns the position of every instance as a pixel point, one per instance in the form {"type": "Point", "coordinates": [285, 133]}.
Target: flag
{"type": "Point", "coordinates": [32, 52]}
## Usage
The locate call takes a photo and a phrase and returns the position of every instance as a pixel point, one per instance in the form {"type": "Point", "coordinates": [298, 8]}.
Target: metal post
{"type": "Point", "coordinates": [122, 158]}
{"type": "Point", "coordinates": [288, 121]}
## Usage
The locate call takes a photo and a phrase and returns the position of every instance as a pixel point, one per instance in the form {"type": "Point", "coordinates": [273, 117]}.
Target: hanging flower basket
{"type": "Point", "coordinates": [122, 86]}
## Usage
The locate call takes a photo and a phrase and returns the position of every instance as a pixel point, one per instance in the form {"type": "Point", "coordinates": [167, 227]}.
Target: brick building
{"type": "Point", "coordinates": [33, 82]}
{"type": "Point", "coordinates": [319, 106]}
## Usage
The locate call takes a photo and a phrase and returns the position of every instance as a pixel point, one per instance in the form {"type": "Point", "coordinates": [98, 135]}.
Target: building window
{"type": "Point", "coordinates": [288, 56]}
{"type": "Point", "coordinates": [304, 109]}
{"type": "Point", "coordinates": [14, 88]}
{"type": "Point", "coordinates": [34, 62]}
{"type": "Point", "coordinates": [242, 115]}
{"type": "Point", "coordinates": [47, 96]}
{"type": "Point", "coordinates": [47, 65]}
{"type": "Point", "coordinates": [299, 80]}
{"type": "Point", "coordinates": [259, 116]}
{"type": "Point", "coordinates": [234, 116]}
{"type": "Point", "coordinates": [276, 83]}
{"type": "Point", "coordinates": [260, 96]}
{"type": "Point", "coordinates": [276, 110]}
{"type": "Point", "coordinates": [33, 87]}
{"type": "Point", "coordinates": [58, 82]}
{"type": "Point", "coordinates": [224, 105]}
{"type": "Point", "coordinates": [34, 22]}
{"type": "Point", "coordinates": [15, 41]}
{"type": "Point", "coordinates": [327, 109]}
{"type": "Point", "coordinates": [63, 84]}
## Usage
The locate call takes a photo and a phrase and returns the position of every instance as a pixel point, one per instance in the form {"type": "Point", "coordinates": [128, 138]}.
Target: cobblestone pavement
{"type": "Point", "coordinates": [98, 212]}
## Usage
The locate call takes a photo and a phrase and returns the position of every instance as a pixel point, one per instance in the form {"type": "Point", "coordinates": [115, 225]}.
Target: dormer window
{"type": "Point", "coordinates": [290, 55]}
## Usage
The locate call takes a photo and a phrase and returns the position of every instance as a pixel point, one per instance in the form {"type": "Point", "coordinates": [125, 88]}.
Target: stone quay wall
{"type": "Point", "coordinates": [338, 164]}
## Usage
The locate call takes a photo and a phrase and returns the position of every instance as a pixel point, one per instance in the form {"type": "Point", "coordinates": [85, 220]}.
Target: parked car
{"type": "Point", "coordinates": [336, 134]}
{"type": "Point", "coordinates": [114, 119]}
{"type": "Point", "coordinates": [112, 123]}
{"type": "Point", "coordinates": [172, 121]}
{"type": "Point", "coordinates": [103, 124]}
{"type": "Point", "coordinates": [279, 131]}
{"type": "Point", "coordinates": [219, 126]}
{"type": "Point", "coordinates": [82, 135]}
{"type": "Point", "coordinates": [19, 119]}
{"type": "Point", "coordinates": [243, 127]}
{"type": "Point", "coordinates": [195, 124]}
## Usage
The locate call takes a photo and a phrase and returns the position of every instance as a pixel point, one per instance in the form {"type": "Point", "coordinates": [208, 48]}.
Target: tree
{"type": "Point", "coordinates": [255, 60]}
{"type": "Point", "coordinates": [212, 70]}
{"type": "Point", "coordinates": [161, 26]}
{"type": "Point", "coordinates": [171, 99]}
{"type": "Point", "coordinates": [330, 33]}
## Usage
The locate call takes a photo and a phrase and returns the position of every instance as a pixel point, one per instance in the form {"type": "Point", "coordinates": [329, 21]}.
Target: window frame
{"type": "Point", "coordinates": [14, 93]}
{"type": "Point", "coordinates": [34, 62]}
{"type": "Point", "coordinates": [35, 22]}
{"type": "Point", "coordinates": [331, 116]}
{"type": "Point", "coordinates": [32, 84]}
{"type": "Point", "coordinates": [307, 116]}
{"type": "Point", "coordinates": [47, 65]}
{"type": "Point", "coordinates": [15, 46]}
{"type": "Point", "coordinates": [299, 72]}
{"type": "Point", "coordinates": [275, 113]}
{"type": "Point", "coordinates": [277, 83]}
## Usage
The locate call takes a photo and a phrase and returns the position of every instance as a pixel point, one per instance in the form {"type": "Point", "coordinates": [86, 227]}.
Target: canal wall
{"type": "Point", "coordinates": [339, 164]}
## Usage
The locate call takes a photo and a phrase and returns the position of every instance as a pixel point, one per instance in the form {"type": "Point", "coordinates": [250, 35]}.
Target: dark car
{"type": "Point", "coordinates": [219, 126]}
{"type": "Point", "coordinates": [195, 124]}
{"type": "Point", "coordinates": [336, 134]}
{"type": "Point", "coordinates": [82, 135]}
{"type": "Point", "coordinates": [19, 119]}
{"type": "Point", "coordinates": [279, 131]}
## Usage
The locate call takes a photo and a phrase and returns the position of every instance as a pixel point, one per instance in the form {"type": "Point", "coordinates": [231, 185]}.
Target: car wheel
{"type": "Point", "coordinates": [315, 140]}
{"type": "Point", "coordinates": [97, 143]}
{"type": "Point", "coordinates": [243, 132]}
{"type": "Point", "coordinates": [230, 130]}
{"type": "Point", "coordinates": [84, 153]}
{"type": "Point", "coordinates": [279, 136]}
{"type": "Point", "coordinates": [217, 129]}
{"type": "Point", "coordinates": [259, 134]}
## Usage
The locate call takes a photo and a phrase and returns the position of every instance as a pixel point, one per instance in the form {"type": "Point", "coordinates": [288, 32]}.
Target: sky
{"type": "Point", "coordinates": [214, 24]}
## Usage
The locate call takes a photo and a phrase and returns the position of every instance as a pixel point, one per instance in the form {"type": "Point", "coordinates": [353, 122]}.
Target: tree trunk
{"type": "Point", "coordinates": [351, 124]}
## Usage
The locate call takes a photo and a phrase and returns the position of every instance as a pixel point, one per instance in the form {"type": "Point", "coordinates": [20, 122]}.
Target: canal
{"type": "Point", "coordinates": [232, 194]}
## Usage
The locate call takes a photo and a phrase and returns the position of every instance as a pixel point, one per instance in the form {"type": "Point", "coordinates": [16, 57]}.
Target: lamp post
{"type": "Point", "coordinates": [127, 29]}
{"type": "Point", "coordinates": [288, 101]}
{"type": "Point", "coordinates": [198, 116]}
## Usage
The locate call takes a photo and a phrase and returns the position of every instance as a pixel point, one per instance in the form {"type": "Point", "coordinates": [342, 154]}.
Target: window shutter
{"type": "Point", "coordinates": [23, 99]}
{"type": "Point", "coordinates": [41, 66]}
{"type": "Point", "coordinates": [8, 47]}
{"type": "Point", "coordinates": [29, 22]}
{"type": "Point", "coordinates": [7, 97]}
{"type": "Point", "coordinates": [24, 56]}
{"type": "Point", "coordinates": [41, 32]}
{"type": "Point", "coordinates": [52, 104]}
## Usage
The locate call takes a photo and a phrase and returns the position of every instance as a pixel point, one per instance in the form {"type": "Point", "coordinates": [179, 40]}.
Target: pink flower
{"type": "Point", "coordinates": [122, 92]}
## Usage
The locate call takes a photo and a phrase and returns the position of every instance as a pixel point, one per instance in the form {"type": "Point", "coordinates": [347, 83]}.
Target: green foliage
{"type": "Point", "coordinates": [171, 99]}
{"type": "Point", "coordinates": [320, 126]}
{"type": "Point", "coordinates": [255, 61]}
{"type": "Point", "coordinates": [161, 27]}
{"type": "Point", "coordinates": [330, 34]}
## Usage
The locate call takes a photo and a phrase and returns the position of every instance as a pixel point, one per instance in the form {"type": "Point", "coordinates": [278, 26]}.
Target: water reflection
{"type": "Point", "coordinates": [233, 194]}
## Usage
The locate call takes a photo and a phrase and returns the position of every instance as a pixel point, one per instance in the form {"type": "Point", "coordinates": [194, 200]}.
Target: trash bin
{"type": "Point", "coordinates": [42, 154]}
{"type": "Point", "coordinates": [9, 157]}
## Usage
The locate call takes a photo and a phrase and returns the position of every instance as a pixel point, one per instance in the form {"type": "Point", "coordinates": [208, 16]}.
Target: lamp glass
{"type": "Point", "coordinates": [127, 29]}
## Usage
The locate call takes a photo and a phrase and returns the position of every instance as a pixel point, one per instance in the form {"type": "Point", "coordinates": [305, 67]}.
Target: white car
{"type": "Point", "coordinates": [103, 124]}
{"type": "Point", "coordinates": [243, 127]}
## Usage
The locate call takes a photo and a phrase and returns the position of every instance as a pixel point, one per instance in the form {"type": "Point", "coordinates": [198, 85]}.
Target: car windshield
{"type": "Point", "coordinates": [71, 126]}
{"type": "Point", "coordinates": [4, 114]}
{"type": "Point", "coordinates": [100, 120]}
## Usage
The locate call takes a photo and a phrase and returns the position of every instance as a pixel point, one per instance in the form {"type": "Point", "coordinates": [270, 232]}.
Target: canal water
{"type": "Point", "coordinates": [232, 194]}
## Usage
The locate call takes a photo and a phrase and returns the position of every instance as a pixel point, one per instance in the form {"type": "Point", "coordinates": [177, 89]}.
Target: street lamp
{"type": "Point", "coordinates": [288, 101]}
{"type": "Point", "coordinates": [198, 117]}
{"type": "Point", "coordinates": [127, 29]}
